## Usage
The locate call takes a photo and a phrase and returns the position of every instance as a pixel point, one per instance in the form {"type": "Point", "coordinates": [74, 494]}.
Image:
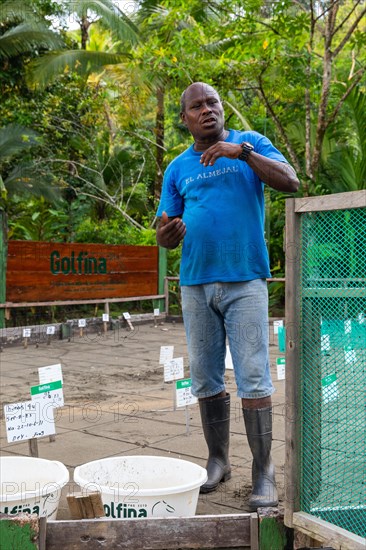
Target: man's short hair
{"type": "Point", "coordinates": [183, 96]}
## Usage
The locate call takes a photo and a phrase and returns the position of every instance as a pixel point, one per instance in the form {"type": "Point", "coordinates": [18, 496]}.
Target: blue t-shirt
{"type": "Point", "coordinates": [223, 209]}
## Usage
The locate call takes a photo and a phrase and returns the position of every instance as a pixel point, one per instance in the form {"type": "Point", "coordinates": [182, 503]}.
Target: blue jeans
{"type": "Point", "coordinates": [238, 313]}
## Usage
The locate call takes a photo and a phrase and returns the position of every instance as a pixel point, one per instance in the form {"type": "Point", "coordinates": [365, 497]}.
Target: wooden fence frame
{"type": "Point", "coordinates": [210, 531]}
{"type": "Point", "coordinates": [261, 530]}
{"type": "Point", "coordinates": [294, 517]}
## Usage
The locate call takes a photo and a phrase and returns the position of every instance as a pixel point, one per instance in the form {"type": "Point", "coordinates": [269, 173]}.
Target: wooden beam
{"type": "Point", "coordinates": [336, 201]}
{"type": "Point", "coordinates": [254, 531]}
{"type": "Point", "coordinates": [81, 302]}
{"type": "Point", "coordinates": [292, 315]}
{"type": "Point", "coordinates": [162, 271]}
{"type": "Point", "coordinates": [326, 533]}
{"type": "Point", "coordinates": [214, 531]}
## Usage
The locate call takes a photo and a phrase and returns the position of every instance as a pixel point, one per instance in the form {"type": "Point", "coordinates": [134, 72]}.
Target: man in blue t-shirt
{"type": "Point", "coordinates": [213, 200]}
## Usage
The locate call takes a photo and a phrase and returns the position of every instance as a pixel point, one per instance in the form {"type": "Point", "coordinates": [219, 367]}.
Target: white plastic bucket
{"type": "Point", "coordinates": [31, 485]}
{"type": "Point", "coordinates": [143, 486]}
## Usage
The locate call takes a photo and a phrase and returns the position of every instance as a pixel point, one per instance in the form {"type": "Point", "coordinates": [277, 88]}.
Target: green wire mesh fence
{"type": "Point", "coordinates": [333, 365]}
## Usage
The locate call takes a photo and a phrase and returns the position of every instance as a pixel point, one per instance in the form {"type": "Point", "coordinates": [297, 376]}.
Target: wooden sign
{"type": "Point", "coordinates": [42, 271]}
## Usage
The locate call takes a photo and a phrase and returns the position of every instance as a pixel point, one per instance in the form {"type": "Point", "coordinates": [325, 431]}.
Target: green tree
{"type": "Point", "coordinates": [44, 70]}
{"type": "Point", "coordinates": [309, 55]}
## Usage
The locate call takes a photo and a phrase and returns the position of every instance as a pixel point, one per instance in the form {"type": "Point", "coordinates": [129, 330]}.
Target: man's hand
{"type": "Point", "coordinates": [220, 149]}
{"type": "Point", "coordinates": [170, 231]}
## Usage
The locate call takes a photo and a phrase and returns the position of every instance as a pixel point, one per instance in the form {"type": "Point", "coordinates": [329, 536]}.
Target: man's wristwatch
{"type": "Point", "coordinates": [247, 148]}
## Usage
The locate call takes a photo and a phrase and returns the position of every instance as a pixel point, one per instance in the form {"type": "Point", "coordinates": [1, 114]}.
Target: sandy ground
{"type": "Point", "coordinates": [117, 403]}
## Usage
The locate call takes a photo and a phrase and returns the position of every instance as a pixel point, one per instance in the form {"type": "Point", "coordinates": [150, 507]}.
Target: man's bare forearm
{"type": "Point", "coordinates": [278, 175]}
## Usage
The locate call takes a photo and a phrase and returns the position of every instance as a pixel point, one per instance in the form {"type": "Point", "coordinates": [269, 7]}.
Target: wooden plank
{"type": "Point", "coordinates": [302, 541]}
{"type": "Point", "coordinates": [10, 305]}
{"type": "Point", "coordinates": [292, 315]}
{"type": "Point", "coordinates": [326, 533]}
{"type": "Point", "coordinates": [336, 201]}
{"type": "Point", "coordinates": [224, 531]}
{"type": "Point", "coordinates": [60, 271]}
{"type": "Point", "coordinates": [254, 531]}
{"type": "Point", "coordinates": [85, 506]}
{"type": "Point", "coordinates": [42, 533]}
{"type": "Point", "coordinates": [36, 286]}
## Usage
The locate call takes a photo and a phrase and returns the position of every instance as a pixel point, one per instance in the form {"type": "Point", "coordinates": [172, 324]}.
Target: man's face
{"type": "Point", "coordinates": [203, 114]}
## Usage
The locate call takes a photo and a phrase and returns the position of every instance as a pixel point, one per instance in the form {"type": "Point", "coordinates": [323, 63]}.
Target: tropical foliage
{"type": "Point", "coordinates": [90, 102]}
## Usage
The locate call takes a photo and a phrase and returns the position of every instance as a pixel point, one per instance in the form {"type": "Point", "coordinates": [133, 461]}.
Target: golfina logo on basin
{"type": "Point", "coordinates": [78, 264]}
{"type": "Point", "coordinates": [122, 510]}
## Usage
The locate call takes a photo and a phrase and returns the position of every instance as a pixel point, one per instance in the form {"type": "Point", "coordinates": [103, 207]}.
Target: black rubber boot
{"type": "Point", "coordinates": [258, 424]}
{"type": "Point", "coordinates": [215, 417]}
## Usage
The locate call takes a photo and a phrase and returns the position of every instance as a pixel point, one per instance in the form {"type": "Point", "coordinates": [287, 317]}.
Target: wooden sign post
{"type": "Point", "coordinates": [3, 256]}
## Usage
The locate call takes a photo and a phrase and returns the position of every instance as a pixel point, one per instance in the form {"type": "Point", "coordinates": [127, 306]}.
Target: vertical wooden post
{"type": "Point", "coordinates": [166, 293]}
{"type": "Point", "coordinates": [106, 310]}
{"type": "Point", "coordinates": [33, 447]}
{"type": "Point", "coordinates": [3, 257]}
{"type": "Point", "coordinates": [292, 411]}
{"type": "Point", "coordinates": [161, 276]}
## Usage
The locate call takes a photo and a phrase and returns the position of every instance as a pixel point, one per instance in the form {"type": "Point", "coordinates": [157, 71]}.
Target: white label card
{"type": "Point", "coordinates": [126, 315]}
{"type": "Point", "coordinates": [281, 368]}
{"type": "Point", "coordinates": [49, 393]}
{"type": "Point", "coordinates": [50, 330]}
{"type": "Point", "coordinates": [105, 317]}
{"type": "Point", "coordinates": [52, 373]}
{"type": "Point", "coordinates": [184, 394]}
{"type": "Point", "coordinates": [156, 312]}
{"type": "Point", "coordinates": [27, 332]}
{"type": "Point", "coordinates": [166, 354]}
{"type": "Point", "coordinates": [28, 420]}
{"type": "Point", "coordinates": [82, 323]}
{"type": "Point", "coordinates": [174, 369]}
{"type": "Point", "coordinates": [277, 324]}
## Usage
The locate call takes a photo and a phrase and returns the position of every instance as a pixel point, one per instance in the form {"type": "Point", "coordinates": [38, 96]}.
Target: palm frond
{"type": "Point", "coordinates": [121, 26]}
{"type": "Point", "coordinates": [23, 180]}
{"type": "Point", "coordinates": [42, 71]}
{"type": "Point", "coordinates": [26, 37]}
{"type": "Point", "coordinates": [13, 10]}
{"type": "Point", "coordinates": [14, 139]}
{"type": "Point", "coordinates": [243, 120]}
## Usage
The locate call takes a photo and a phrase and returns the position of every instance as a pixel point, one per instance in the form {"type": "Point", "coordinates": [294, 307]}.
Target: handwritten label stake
{"type": "Point", "coordinates": [185, 397]}
{"type": "Point", "coordinates": [28, 420]}
{"type": "Point", "coordinates": [187, 420]}
{"type": "Point", "coordinates": [105, 318]}
{"type": "Point", "coordinates": [26, 335]}
{"type": "Point", "coordinates": [81, 325]}
{"type": "Point", "coordinates": [50, 331]}
{"type": "Point", "coordinates": [156, 315]}
{"type": "Point", "coordinates": [33, 447]}
{"type": "Point", "coordinates": [127, 317]}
